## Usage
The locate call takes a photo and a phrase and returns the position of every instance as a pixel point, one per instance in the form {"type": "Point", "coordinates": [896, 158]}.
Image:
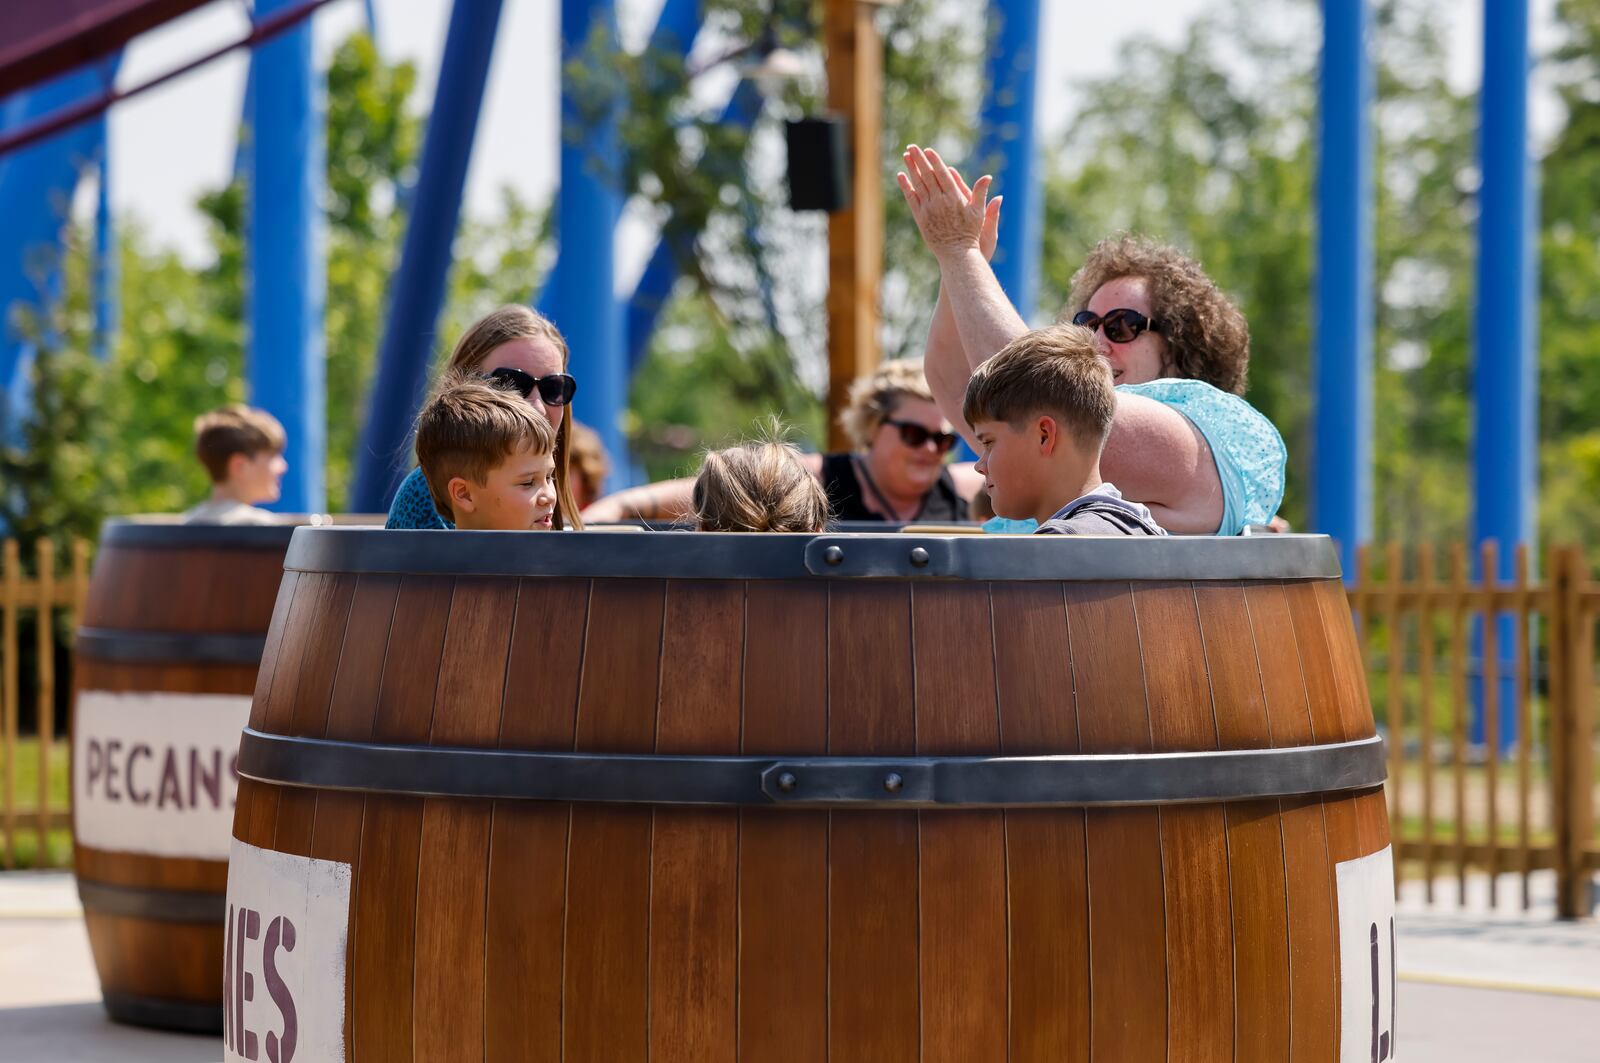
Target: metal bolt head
{"type": "Point", "coordinates": [893, 783]}
{"type": "Point", "coordinates": [787, 782]}
{"type": "Point", "coordinates": [833, 555]}
{"type": "Point", "coordinates": [919, 557]}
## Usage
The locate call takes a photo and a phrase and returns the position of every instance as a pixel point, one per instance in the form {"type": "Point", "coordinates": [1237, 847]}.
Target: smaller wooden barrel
{"type": "Point", "coordinates": [841, 797]}
{"type": "Point", "coordinates": [165, 666]}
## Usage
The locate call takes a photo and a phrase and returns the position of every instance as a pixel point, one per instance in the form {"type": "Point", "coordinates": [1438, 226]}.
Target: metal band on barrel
{"type": "Point", "coordinates": [164, 1013]}
{"type": "Point", "coordinates": [161, 905]}
{"type": "Point", "coordinates": [137, 647]}
{"type": "Point", "coordinates": [730, 556]}
{"type": "Point", "coordinates": [1085, 780]}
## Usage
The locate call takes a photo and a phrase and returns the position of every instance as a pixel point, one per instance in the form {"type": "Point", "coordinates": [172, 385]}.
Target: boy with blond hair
{"type": "Point", "coordinates": [488, 457]}
{"type": "Point", "coordinates": [242, 450]}
{"type": "Point", "coordinates": [1040, 411]}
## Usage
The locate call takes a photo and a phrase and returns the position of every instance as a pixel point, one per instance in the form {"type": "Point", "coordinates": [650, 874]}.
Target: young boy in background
{"type": "Point", "coordinates": [242, 450]}
{"type": "Point", "coordinates": [488, 457]}
{"type": "Point", "coordinates": [1040, 410]}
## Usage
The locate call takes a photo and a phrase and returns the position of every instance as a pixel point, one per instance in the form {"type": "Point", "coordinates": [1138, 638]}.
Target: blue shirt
{"type": "Point", "coordinates": [1246, 447]}
{"type": "Point", "coordinates": [412, 508]}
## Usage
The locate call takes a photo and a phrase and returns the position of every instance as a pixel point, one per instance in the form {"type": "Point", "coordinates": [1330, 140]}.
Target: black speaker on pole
{"type": "Point", "coordinates": [819, 163]}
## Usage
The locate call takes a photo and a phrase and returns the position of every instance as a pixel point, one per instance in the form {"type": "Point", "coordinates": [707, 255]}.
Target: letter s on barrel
{"type": "Point", "coordinates": [280, 1049]}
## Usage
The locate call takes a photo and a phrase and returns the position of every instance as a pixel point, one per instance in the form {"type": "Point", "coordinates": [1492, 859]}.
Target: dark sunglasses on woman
{"type": "Point", "coordinates": [1121, 325]}
{"type": "Point", "coordinates": [556, 389]}
{"type": "Point", "coordinates": [915, 435]}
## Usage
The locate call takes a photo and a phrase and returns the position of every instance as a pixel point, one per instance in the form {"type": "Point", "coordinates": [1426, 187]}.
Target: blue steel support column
{"type": "Point", "coordinates": [1504, 318]}
{"type": "Point", "coordinates": [287, 272]}
{"type": "Point", "coordinates": [36, 187]}
{"type": "Point", "coordinates": [1006, 146]}
{"type": "Point", "coordinates": [1342, 455]}
{"type": "Point", "coordinates": [107, 271]}
{"type": "Point", "coordinates": [580, 295]}
{"type": "Point", "coordinates": [418, 288]}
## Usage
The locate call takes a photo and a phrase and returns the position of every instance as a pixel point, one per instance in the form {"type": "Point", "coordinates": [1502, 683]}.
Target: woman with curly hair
{"type": "Point", "coordinates": [1183, 441]}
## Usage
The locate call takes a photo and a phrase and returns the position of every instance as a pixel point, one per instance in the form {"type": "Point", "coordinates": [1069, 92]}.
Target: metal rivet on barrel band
{"type": "Point", "coordinates": [787, 782]}
{"type": "Point", "coordinates": [833, 555]}
{"type": "Point", "coordinates": [893, 783]}
{"type": "Point", "coordinates": [919, 557]}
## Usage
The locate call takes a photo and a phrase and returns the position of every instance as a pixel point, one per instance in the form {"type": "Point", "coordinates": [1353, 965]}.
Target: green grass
{"type": "Point", "coordinates": [58, 845]}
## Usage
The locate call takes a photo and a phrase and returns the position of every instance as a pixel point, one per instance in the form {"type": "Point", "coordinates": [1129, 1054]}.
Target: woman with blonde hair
{"type": "Point", "coordinates": [896, 470]}
{"type": "Point", "coordinates": [521, 350]}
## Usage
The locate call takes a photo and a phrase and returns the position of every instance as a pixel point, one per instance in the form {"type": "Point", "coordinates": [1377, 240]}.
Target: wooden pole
{"type": "Point", "coordinates": [855, 234]}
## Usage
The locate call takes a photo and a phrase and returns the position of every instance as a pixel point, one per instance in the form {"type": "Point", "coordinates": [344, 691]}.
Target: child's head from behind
{"type": "Point", "coordinates": [242, 450]}
{"type": "Point", "coordinates": [1040, 410]}
{"type": "Point", "coordinates": [488, 457]}
{"type": "Point", "coordinates": [761, 486]}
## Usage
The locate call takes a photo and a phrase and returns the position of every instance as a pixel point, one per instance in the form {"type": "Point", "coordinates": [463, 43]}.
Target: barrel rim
{"type": "Point", "coordinates": [733, 556]}
{"type": "Point", "coordinates": [1080, 780]}
{"type": "Point", "coordinates": [168, 531]}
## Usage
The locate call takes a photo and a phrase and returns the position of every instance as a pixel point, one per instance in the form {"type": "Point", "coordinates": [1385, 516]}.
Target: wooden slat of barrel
{"type": "Point", "coordinates": [528, 841]}
{"type": "Point", "coordinates": [1194, 851]}
{"type": "Point", "coordinates": [1126, 905]}
{"type": "Point", "coordinates": [528, 846]}
{"type": "Point", "coordinates": [336, 828]}
{"type": "Point", "coordinates": [1255, 833]}
{"type": "Point", "coordinates": [783, 854]}
{"type": "Point", "coordinates": [1046, 874]}
{"type": "Point", "coordinates": [694, 876]}
{"type": "Point", "coordinates": [608, 876]}
{"type": "Point", "coordinates": [962, 854]}
{"type": "Point", "coordinates": [384, 892]}
{"type": "Point", "coordinates": [1313, 940]}
{"type": "Point", "coordinates": [873, 973]}
{"type": "Point", "coordinates": [453, 857]}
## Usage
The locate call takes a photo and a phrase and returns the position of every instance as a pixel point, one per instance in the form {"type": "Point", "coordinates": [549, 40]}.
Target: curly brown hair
{"type": "Point", "coordinates": [1206, 333]}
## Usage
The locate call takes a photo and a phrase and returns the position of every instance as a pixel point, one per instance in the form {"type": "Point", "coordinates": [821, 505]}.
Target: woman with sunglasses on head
{"type": "Point", "coordinates": [1183, 442]}
{"type": "Point", "coordinates": [896, 471]}
{"type": "Point", "coordinates": [520, 350]}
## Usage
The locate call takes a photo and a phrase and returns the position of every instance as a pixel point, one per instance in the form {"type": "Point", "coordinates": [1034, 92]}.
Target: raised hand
{"type": "Point", "coordinates": [990, 236]}
{"type": "Point", "coordinates": [951, 217]}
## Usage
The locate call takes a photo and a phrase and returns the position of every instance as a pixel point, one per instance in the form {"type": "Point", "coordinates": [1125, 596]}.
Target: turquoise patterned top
{"type": "Point", "coordinates": [1246, 447]}
{"type": "Point", "coordinates": [412, 507]}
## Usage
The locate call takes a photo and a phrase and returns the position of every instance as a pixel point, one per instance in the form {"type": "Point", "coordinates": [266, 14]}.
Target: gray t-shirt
{"type": "Point", "coordinates": [1102, 511]}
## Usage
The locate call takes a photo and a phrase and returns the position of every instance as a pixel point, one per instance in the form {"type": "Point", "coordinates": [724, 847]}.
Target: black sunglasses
{"type": "Point", "coordinates": [1121, 325]}
{"type": "Point", "coordinates": [556, 389]}
{"type": "Point", "coordinates": [915, 435]}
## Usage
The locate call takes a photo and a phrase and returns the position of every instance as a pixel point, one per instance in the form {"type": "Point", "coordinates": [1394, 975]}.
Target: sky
{"type": "Point", "coordinates": [177, 141]}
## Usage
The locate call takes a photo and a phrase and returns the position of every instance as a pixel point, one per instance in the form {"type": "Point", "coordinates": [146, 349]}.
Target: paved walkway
{"type": "Point", "coordinates": [1477, 983]}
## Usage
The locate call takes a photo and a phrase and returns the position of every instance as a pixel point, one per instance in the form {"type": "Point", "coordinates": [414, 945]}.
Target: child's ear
{"type": "Point", "coordinates": [236, 463]}
{"type": "Point", "coordinates": [1049, 433]}
{"type": "Point", "coordinates": [459, 492]}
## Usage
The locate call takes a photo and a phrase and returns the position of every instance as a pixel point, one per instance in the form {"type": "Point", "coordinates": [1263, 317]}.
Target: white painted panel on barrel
{"type": "Point", "coordinates": [1366, 958]}
{"type": "Point", "coordinates": [283, 978]}
{"type": "Point", "coordinates": [155, 772]}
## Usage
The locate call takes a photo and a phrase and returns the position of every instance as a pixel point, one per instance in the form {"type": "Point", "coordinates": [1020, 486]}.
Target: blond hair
{"type": "Point", "coordinates": [235, 429]}
{"type": "Point", "coordinates": [469, 428]}
{"type": "Point", "coordinates": [1053, 370]}
{"type": "Point", "coordinates": [760, 486]}
{"type": "Point", "coordinates": [517, 322]}
{"type": "Point", "coordinates": [873, 398]}
{"type": "Point", "coordinates": [1207, 336]}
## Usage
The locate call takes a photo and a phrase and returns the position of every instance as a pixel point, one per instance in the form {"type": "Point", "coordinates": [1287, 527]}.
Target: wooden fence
{"type": "Point", "coordinates": [48, 592]}
{"type": "Point", "coordinates": [1517, 807]}
{"type": "Point", "coordinates": [1454, 807]}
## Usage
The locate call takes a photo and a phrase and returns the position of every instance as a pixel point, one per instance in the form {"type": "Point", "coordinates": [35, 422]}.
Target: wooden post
{"type": "Point", "coordinates": [44, 617]}
{"type": "Point", "coordinates": [10, 601]}
{"type": "Point", "coordinates": [855, 234]}
{"type": "Point", "coordinates": [1572, 758]}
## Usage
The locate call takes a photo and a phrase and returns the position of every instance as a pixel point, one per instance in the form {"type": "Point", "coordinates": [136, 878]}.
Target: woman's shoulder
{"type": "Point", "coordinates": [412, 508]}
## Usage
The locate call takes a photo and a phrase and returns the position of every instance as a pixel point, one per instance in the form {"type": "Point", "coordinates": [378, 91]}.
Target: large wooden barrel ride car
{"type": "Point", "coordinates": [166, 661]}
{"type": "Point", "coordinates": [843, 797]}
